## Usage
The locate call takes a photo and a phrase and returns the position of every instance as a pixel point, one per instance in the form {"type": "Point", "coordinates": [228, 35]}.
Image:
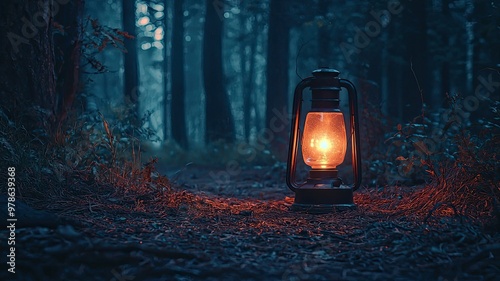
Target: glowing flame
{"type": "Point", "coordinates": [324, 145]}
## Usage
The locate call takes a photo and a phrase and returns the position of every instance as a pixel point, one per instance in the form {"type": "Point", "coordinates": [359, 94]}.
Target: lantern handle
{"type": "Point", "coordinates": [294, 133]}
{"type": "Point", "coordinates": [354, 130]}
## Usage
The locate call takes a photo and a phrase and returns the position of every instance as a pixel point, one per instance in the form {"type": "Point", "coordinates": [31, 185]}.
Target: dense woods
{"type": "Point", "coordinates": [404, 56]}
{"type": "Point", "coordinates": [408, 56]}
{"type": "Point", "coordinates": [116, 111]}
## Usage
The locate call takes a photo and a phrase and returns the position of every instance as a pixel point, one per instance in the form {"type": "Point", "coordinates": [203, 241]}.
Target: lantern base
{"type": "Point", "coordinates": [323, 200]}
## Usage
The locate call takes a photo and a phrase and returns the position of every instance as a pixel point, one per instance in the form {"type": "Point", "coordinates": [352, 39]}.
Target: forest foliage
{"type": "Point", "coordinates": [428, 88]}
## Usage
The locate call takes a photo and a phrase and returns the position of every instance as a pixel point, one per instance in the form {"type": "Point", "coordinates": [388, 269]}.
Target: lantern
{"type": "Point", "coordinates": [323, 140]}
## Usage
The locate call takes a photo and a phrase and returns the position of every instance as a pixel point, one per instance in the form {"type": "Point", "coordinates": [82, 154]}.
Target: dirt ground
{"type": "Point", "coordinates": [242, 229]}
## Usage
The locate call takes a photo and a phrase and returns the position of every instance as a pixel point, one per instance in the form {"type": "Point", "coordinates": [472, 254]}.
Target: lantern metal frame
{"type": "Point", "coordinates": [323, 191]}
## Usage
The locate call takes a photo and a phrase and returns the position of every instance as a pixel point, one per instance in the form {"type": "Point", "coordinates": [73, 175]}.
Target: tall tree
{"type": "Point", "coordinates": [469, 58]}
{"type": "Point", "coordinates": [131, 70]}
{"type": "Point", "coordinates": [178, 114]}
{"type": "Point", "coordinates": [27, 59]}
{"type": "Point", "coordinates": [248, 36]}
{"type": "Point", "coordinates": [39, 71]}
{"type": "Point", "coordinates": [249, 83]}
{"type": "Point", "coordinates": [394, 70]}
{"type": "Point", "coordinates": [244, 57]}
{"type": "Point", "coordinates": [219, 123]}
{"type": "Point", "coordinates": [67, 49]}
{"type": "Point", "coordinates": [277, 65]}
{"type": "Point", "coordinates": [166, 109]}
{"type": "Point", "coordinates": [445, 65]}
{"type": "Point", "coordinates": [415, 72]}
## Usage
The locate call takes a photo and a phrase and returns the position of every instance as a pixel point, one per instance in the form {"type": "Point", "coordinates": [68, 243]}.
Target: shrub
{"type": "Point", "coordinates": [457, 157]}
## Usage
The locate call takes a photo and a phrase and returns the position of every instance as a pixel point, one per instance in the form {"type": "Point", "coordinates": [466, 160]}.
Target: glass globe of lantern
{"type": "Point", "coordinates": [324, 141]}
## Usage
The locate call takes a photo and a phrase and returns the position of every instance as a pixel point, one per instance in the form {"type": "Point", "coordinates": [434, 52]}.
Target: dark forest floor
{"type": "Point", "coordinates": [243, 230]}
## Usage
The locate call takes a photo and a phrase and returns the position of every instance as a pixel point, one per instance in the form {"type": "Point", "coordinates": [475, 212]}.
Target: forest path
{"type": "Point", "coordinates": [213, 232]}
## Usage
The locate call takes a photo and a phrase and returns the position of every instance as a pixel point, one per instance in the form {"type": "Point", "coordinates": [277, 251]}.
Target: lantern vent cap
{"type": "Point", "coordinates": [323, 71]}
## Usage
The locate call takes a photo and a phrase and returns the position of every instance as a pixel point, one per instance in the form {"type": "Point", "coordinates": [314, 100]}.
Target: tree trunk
{"type": "Point", "coordinates": [219, 123]}
{"type": "Point", "coordinates": [27, 64]}
{"type": "Point", "coordinates": [67, 62]}
{"type": "Point", "coordinates": [469, 61]}
{"type": "Point", "coordinates": [384, 75]}
{"type": "Point", "coordinates": [131, 71]}
{"type": "Point", "coordinates": [395, 68]}
{"type": "Point", "coordinates": [250, 84]}
{"type": "Point", "coordinates": [166, 108]}
{"type": "Point", "coordinates": [277, 69]}
{"type": "Point", "coordinates": [178, 115]}
{"type": "Point", "coordinates": [40, 69]}
{"type": "Point", "coordinates": [445, 65]}
{"type": "Point", "coordinates": [245, 93]}
{"type": "Point", "coordinates": [415, 73]}
{"type": "Point", "coordinates": [247, 62]}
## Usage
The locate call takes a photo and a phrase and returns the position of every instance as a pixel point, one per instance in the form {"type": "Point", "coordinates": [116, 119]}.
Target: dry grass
{"type": "Point", "coordinates": [456, 193]}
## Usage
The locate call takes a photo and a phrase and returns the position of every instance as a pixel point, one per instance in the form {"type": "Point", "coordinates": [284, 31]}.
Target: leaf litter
{"type": "Point", "coordinates": [202, 230]}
